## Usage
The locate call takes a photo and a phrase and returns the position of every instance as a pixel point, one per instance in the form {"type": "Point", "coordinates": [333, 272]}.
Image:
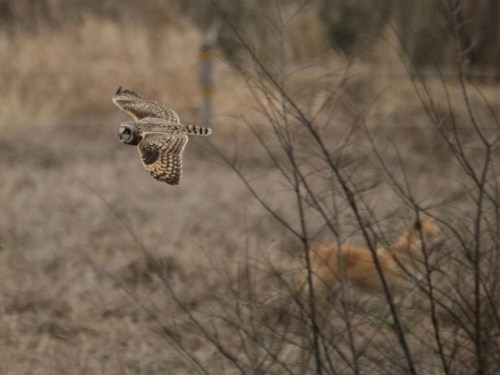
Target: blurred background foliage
{"type": "Point", "coordinates": [423, 27]}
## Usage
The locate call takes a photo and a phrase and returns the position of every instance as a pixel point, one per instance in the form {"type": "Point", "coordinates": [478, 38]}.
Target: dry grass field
{"type": "Point", "coordinates": [104, 270]}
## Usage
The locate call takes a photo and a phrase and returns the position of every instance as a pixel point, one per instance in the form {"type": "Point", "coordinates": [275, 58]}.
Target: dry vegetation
{"type": "Point", "coordinates": [103, 270]}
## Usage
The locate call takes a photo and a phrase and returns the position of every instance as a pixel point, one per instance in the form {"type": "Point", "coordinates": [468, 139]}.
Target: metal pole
{"type": "Point", "coordinates": [206, 84]}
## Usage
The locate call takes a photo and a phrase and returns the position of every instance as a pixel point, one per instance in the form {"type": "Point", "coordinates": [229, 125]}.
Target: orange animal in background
{"type": "Point", "coordinates": [399, 262]}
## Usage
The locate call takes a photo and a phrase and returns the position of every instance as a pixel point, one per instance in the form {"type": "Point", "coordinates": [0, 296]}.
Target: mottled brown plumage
{"type": "Point", "coordinates": [158, 134]}
{"type": "Point", "coordinates": [139, 108]}
{"type": "Point", "coordinates": [161, 155]}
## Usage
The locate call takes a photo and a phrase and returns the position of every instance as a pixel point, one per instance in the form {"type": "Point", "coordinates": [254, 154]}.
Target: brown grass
{"type": "Point", "coordinates": [71, 273]}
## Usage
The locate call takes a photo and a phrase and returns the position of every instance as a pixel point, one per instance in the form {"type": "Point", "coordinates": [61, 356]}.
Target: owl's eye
{"type": "Point", "coordinates": [126, 131]}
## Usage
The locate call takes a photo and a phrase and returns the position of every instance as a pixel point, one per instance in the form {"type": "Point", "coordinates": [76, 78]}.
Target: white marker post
{"type": "Point", "coordinates": [206, 84]}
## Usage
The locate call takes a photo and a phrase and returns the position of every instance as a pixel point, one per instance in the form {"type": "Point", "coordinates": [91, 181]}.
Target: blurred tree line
{"type": "Point", "coordinates": [426, 28]}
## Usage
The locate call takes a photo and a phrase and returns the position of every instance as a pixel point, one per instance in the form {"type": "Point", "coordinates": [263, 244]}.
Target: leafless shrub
{"type": "Point", "coordinates": [328, 181]}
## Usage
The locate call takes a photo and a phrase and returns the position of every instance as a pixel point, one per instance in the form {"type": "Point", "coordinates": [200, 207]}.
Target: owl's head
{"type": "Point", "coordinates": [129, 134]}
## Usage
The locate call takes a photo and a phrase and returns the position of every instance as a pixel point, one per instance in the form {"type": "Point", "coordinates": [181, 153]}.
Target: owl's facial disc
{"type": "Point", "coordinates": [127, 135]}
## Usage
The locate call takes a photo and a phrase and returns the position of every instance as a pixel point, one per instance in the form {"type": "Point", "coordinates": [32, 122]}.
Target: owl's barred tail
{"type": "Point", "coordinates": [196, 130]}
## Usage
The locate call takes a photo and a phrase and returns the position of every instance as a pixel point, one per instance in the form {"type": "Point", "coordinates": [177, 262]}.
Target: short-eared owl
{"type": "Point", "coordinates": [157, 132]}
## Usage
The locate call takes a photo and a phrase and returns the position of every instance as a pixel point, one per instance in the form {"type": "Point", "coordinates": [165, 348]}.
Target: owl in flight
{"type": "Point", "coordinates": [158, 134]}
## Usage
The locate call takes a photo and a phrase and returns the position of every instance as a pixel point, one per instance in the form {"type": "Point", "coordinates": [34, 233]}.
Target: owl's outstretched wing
{"type": "Point", "coordinates": [139, 108]}
{"type": "Point", "coordinates": [161, 154]}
